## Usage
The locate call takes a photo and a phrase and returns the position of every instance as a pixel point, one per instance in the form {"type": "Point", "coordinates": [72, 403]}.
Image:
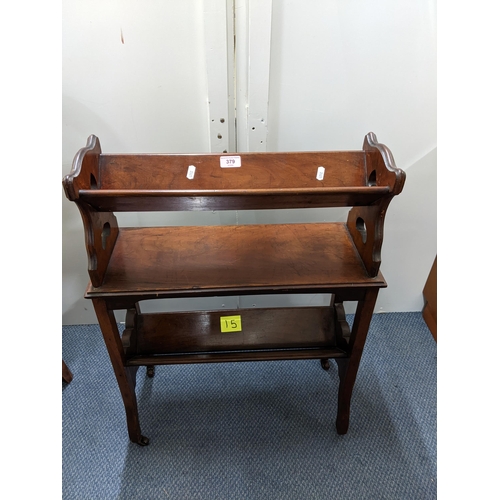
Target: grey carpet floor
{"type": "Point", "coordinates": [256, 430]}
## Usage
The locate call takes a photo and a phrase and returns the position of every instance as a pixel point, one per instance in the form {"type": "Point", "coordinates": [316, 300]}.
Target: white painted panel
{"type": "Point", "coordinates": [241, 9]}
{"type": "Point", "coordinates": [259, 55]}
{"type": "Point", "coordinates": [252, 53]}
{"type": "Point", "coordinates": [134, 74]}
{"type": "Point", "coordinates": [342, 69]}
{"type": "Point", "coordinates": [410, 239]}
{"type": "Point", "coordinates": [218, 30]}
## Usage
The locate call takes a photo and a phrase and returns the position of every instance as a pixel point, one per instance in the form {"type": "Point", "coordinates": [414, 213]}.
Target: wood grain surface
{"type": "Point", "coordinates": [233, 257]}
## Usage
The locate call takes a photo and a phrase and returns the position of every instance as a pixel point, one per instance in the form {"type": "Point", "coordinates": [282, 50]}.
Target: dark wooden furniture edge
{"type": "Point", "coordinates": [128, 300]}
{"type": "Point", "coordinates": [67, 376]}
{"type": "Point", "coordinates": [429, 311]}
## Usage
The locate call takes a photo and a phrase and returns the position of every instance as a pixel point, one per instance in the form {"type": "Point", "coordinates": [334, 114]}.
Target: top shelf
{"type": "Point", "coordinates": [257, 172]}
{"type": "Point", "coordinates": [148, 182]}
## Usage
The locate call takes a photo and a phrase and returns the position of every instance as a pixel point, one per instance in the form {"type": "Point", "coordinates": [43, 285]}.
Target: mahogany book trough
{"type": "Point", "coordinates": [128, 265]}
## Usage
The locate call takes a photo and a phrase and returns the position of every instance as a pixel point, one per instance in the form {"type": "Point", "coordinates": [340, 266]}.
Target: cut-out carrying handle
{"type": "Point", "coordinates": [366, 223]}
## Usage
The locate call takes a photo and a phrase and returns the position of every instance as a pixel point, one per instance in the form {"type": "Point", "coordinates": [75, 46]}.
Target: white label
{"type": "Point", "coordinates": [230, 161]}
{"type": "Point", "coordinates": [321, 173]}
{"type": "Point", "coordinates": [191, 171]}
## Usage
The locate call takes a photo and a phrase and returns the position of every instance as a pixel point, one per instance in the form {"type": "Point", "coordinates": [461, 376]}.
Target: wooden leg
{"type": "Point", "coordinates": [125, 376]}
{"type": "Point", "coordinates": [66, 373]}
{"type": "Point", "coordinates": [348, 367]}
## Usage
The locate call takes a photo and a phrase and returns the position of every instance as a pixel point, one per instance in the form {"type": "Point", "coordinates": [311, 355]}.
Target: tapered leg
{"type": "Point", "coordinates": [348, 367]}
{"type": "Point", "coordinates": [125, 376]}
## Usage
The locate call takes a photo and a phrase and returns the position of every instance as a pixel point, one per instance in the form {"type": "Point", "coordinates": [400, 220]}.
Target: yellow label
{"type": "Point", "coordinates": [230, 323]}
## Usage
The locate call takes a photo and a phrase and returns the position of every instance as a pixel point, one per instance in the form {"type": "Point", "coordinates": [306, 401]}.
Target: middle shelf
{"type": "Point", "coordinates": [256, 258]}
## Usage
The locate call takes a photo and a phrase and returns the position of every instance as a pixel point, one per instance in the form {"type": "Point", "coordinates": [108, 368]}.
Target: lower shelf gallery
{"type": "Point", "coordinates": [232, 335]}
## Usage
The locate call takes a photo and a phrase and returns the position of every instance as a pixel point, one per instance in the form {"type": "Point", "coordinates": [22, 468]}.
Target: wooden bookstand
{"type": "Point", "coordinates": [129, 265]}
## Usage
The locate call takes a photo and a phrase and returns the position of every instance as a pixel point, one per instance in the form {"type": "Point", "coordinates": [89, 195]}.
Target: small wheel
{"type": "Point", "coordinates": [150, 371]}
{"type": "Point", "coordinates": [325, 364]}
{"type": "Point", "coordinates": [143, 441]}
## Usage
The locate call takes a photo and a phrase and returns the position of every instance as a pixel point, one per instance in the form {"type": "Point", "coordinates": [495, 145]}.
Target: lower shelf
{"type": "Point", "coordinates": [266, 334]}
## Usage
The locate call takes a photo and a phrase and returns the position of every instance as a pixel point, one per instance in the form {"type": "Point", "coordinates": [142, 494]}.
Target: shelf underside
{"type": "Point", "coordinates": [130, 200]}
{"type": "Point", "coordinates": [266, 334]}
{"type": "Point", "coordinates": [218, 260]}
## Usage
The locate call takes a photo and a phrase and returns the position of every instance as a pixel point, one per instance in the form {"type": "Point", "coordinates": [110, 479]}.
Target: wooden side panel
{"type": "Point", "coordinates": [101, 232]}
{"type": "Point", "coordinates": [366, 223]}
{"type": "Point", "coordinates": [366, 227]}
{"type": "Point", "coordinates": [101, 229]}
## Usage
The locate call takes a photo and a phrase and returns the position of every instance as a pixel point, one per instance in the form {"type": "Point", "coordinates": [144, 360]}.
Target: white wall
{"type": "Point", "coordinates": [342, 69]}
{"type": "Point", "coordinates": [135, 75]}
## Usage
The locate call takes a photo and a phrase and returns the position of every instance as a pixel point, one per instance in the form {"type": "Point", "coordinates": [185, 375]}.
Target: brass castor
{"type": "Point", "coordinates": [143, 441]}
{"type": "Point", "coordinates": [325, 364]}
{"type": "Point", "coordinates": [150, 371]}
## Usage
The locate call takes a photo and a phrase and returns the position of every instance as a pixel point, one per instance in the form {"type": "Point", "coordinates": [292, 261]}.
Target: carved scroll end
{"type": "Point", "coordinates": [84, 171]}
{"type": "Point", "coordinates": [383, 169]}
